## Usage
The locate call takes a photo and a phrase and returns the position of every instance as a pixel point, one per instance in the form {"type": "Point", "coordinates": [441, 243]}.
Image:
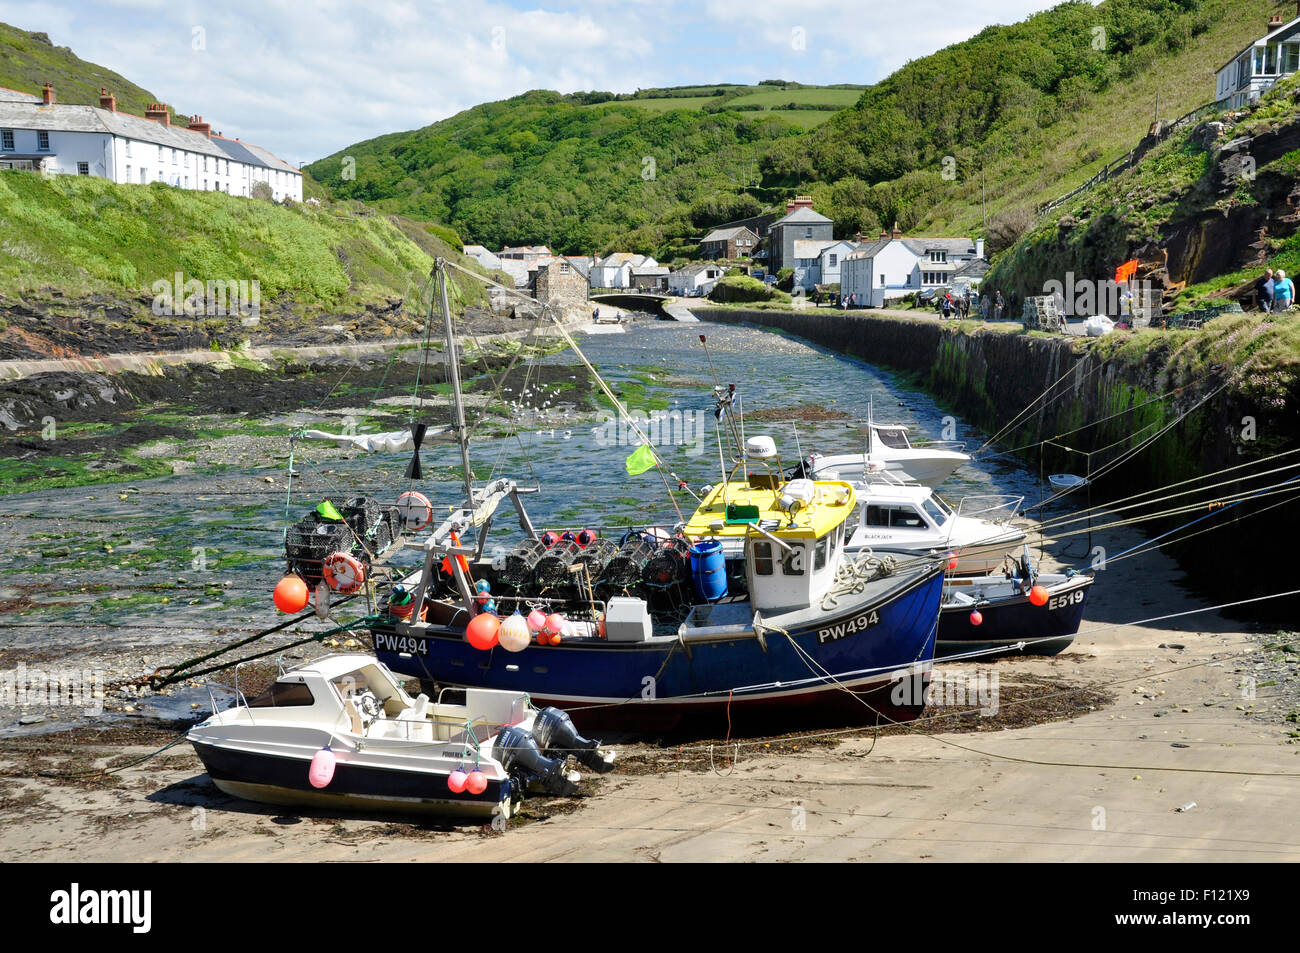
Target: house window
{"type": "Point", "coordinates": [807, 232]}
{"type": "Point", "coordinates": [83, 168]}
{"type": "Point", "coordinates": [173, 157]}
{"type": "Point", "coordinates": [128, 148]}
{"type": "Point", "coordinates": [832, 264]}
{"type": "Point", "coordinates": [144, 175]}
{"type": "Point", "coordinates": [882, 280]}
{"type": "Point", "coordinates": [8, 140]}
{"type": "Point", "coordinates": [43, 141]}
{"type": "Point", "coordinates": [160, 154]}
{"type": "Point", "coordinates": [187, 181]}
{"type": "Point", "coordinates": [1290, 59]}
{"type": "Point", "coordinates": [128, 172]}
{"type": "Point", "coordinates": [205, 163]}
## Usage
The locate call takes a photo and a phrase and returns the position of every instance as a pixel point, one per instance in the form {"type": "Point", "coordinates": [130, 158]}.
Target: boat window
{"type": "Point", "coordinates": [283, 695]}
{"type": "Point", "coordinates": [819, 558]}
{"type": "Point", "coordinates": [877, 515]}
{"type": "Point", "coordinates": [763, 559]}
{"type": "Point", "coordinates": [792, 562]}
{"type": "Point", "coordinates": [939, 502]}
{"type": "Point", "coordinates": [936, 514]}
{"type": "Point", "coordinates": [905, 517]}
{"type": "Point", "coordinates": [893, 437]}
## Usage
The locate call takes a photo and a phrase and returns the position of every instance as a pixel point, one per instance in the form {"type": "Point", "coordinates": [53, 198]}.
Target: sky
{"type": "Point", "coordinates": [306, 79]}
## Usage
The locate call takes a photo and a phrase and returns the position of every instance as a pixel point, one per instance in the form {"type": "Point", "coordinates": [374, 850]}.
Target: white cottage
{"type": "Point", "coordinates": [694, 280]}
{"type": "Point", "coordinates": [894, 267]}
{"type": "Point", "coordinates": [41, 134]}
{"type": "Point", "coordinates": [1274, 56]}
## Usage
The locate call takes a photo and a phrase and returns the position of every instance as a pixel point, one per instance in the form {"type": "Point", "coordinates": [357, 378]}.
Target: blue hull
{"type": "Point", "coordinates": [1046, 629]}
{"type": "Point", "coordinates": [663, 684]}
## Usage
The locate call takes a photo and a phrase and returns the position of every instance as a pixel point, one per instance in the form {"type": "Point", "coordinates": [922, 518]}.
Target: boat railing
{"type": "Point", "coordinates": [994, 507]}
{"type": "Point", "coordinates": [956, 446]}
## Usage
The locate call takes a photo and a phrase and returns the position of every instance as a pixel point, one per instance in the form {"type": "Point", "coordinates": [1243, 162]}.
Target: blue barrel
{"type": "Point", "coordinates": [709, 570]}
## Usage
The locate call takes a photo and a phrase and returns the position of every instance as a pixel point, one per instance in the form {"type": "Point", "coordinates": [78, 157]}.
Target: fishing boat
{"type": "Point", "coordinates": [888, 447]}
{"type": "Point", "coordinates": [916, 520]}
{"type": "Point", "coordinates": [653, 628]}
{"type": "Point", "coordinates": [340, 732]}
{"type": "Point", "coordinates": [1018, 612]}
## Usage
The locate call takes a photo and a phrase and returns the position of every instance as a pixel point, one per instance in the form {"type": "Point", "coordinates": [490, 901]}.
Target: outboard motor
{"type": "Point", "coordinates": [557, 736]}
{"type": "Point", "coordinates": [518, 753]}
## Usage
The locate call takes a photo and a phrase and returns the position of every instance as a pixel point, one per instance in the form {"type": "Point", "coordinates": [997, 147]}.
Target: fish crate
{"type": "Point", "coordinates": [310, 540]}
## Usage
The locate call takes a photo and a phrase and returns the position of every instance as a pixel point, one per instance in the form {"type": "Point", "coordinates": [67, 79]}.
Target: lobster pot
{"type": "Point", "coordinates": [596, 556]}
{"type": "Point", "coordinates": [362, 514]}
{"type": "Point", "coordinates": [521, 561]}
{"type": "Point", "coordinates": [669, 565]}
{"type": "Point", "coordinates": [625, 568]}
{"type": "Point", "coordinates": [382, 538]}
{"type": "Point", "coordinates": [553, 568]}
{"type": "Point", "coordinates": [310, 540]}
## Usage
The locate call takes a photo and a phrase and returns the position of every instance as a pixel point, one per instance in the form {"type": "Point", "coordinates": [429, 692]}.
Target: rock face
{"type": "Point", "coordinates": [990, 376]}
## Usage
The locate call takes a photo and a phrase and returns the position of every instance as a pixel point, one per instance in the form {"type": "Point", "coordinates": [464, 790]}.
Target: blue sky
{"type": "Point", "coordinates": [306, 79]}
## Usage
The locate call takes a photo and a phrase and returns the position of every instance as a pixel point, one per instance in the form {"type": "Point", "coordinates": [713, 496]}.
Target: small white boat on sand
{"type": "Point", "coordinates": [341, 732]}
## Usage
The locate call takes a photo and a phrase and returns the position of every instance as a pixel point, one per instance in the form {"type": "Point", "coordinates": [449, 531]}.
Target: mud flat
{"type": "Point", "coordinates": [1089, 758]}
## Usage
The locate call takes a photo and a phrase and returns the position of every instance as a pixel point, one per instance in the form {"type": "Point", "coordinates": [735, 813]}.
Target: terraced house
{"type": "Point", "coordinates": [38, 133]}
{"type": "Point", "coordinates": [1254, 70]}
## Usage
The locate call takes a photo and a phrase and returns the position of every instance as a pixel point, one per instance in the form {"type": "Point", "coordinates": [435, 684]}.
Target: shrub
{"type": "Point", "coordinates": [742, 288]}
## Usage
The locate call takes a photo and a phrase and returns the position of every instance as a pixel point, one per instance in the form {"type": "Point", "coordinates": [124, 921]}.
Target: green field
{"type": "Point", "coordinates": [745, 99]}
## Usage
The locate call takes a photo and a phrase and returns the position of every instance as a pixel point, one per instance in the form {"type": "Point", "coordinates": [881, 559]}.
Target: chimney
{"type": "Point", "coordinates": [805, 201]}
{"type": "Point", "coordinates": [1276, 21]}
{"type": "Point", "coordinates": [158, 113]}
{"type": "Point", "coordinates": [898, 232]}
{"type": "Point", "coordinates": [884, 233]}
{"type": "Point", "coordinates": [107, 100]}
{"type": "Point", "coordinates": [47, 95]}
{"type": "Point", "coordinates": [203, 128]}
{"type": "Point", "coordinates": [979, 248]}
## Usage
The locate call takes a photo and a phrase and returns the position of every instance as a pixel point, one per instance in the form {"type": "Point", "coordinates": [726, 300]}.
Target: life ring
{"type": "Point", "coordinates": [344, 572]}
{"type": "Point", "coordinates": [415, 510]}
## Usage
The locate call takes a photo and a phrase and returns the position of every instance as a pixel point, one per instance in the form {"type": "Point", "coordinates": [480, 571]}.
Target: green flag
{"type": "Point", "coordinates": [640, 460]}
{"type": "Point", "coordinates": [327, 510]}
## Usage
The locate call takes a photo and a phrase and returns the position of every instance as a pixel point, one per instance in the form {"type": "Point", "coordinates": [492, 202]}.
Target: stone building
{"type": "Point", "coordinates": [564, 288]}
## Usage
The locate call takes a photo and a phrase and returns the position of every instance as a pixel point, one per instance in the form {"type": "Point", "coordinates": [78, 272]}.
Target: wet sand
{"type": "Point", "coordinates": [1103, 785]}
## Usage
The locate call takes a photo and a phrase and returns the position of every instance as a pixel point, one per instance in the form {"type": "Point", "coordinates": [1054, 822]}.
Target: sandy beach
{"type": "Point", "coordinates": [1102, 785]}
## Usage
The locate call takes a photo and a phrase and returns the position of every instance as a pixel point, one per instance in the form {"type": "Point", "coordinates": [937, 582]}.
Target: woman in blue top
{"type": "Point", "coordinates": [1283, 292]}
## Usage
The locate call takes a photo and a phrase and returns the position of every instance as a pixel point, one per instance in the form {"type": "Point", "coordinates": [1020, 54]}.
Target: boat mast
{"type": "Point", "coordinates": [453, 377]}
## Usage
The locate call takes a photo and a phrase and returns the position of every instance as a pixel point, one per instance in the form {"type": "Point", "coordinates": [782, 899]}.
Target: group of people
{"type": "Point", "coordinates": [958, 306]}
{"type": "Point", "coordinates": [1275, 291]}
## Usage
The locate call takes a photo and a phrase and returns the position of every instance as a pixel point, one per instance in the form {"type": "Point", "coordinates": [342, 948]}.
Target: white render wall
{"type": "Point", "coordinates": [125, 160]}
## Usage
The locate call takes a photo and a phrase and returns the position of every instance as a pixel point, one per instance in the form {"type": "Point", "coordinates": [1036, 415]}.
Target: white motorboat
{"type": "Point", "coordinates": [914, 519]}
{"type": "Point", "coordinates": [341, 732]}
{"type": "Point", "coordinates": [889, 447]}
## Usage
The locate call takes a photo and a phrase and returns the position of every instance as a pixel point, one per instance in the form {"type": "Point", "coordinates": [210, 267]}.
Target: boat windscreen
{"type": "Point", "coordinates": [284, 695]}
{"type": "Point", "coordinates": [935, 511]}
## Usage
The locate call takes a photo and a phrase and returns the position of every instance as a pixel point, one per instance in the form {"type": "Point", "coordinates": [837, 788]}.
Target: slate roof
{"type": "Point", "coordinates": [803, 216]}
{"type": "Point", "coordinates": [726, 234]}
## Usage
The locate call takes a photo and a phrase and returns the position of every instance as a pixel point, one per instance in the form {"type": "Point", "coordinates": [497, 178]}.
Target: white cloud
{"type": "Point", "coordinates": [308, 79]}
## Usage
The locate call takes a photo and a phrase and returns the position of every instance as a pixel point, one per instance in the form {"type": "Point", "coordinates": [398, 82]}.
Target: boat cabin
{"type": "Point", "coordinates": [790, 534]}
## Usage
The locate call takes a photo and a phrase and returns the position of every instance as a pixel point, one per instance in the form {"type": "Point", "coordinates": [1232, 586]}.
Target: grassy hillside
{"type": "Point", "coordinates": [30, 60]}
{"type": "Point", "coordinates": [1025, 112]}
{"type": "Point", "coordinates": [85, 236]}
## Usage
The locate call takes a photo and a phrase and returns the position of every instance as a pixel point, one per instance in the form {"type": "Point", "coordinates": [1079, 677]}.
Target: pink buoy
{"type": "Point", "coordinates": [476, 782]}
{"type": "Point", "coordinates": [555, 624]}
{"type": "Point", "coordinates": [456, 781]}
{"type": "Point", "coordinates": [976, 617]}
{"type": "Point", "coordinates": [536, 621]}
{"type": "Point", "coordinates": [550, 539]}
{"type": "Point", "coordinates": [321, 772]}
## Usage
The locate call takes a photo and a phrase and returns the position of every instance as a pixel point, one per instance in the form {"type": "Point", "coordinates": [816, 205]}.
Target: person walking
{"type": "Point", "coordinates": [1264, 291]}
{"type": "Point", "coordinates": [999, 305]}
{"type": "Point", "coordinates": [1283, 292]}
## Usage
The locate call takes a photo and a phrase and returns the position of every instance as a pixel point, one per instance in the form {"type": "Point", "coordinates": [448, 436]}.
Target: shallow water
{"type": "Point", "coordinates": [191, 559]}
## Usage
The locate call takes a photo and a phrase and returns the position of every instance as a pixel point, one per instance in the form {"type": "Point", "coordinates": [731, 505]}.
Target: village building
{"type": "Point", "coordinates": [40, 134]}
{"type": "Point", "coordinates": [562, 287]}
{"type": "Point", "coordinates": [730, 243]}
{"type": "Point", "coordinates": [650, 279]}
{"type": "Point", "coordinates": [800, 223]}
{"type": "Point", "coordinates": [893, 267]}
{"type": "Point", "coordinates": [481, 255]}
{"type": "Point", "coordinates": [1254, 70]}
{"type": "Point", "coordinates": [615, 271]}
{"type": "Point", "coordinates": [694, 280]}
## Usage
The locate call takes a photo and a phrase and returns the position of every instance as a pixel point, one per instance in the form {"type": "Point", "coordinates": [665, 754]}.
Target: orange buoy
{"type": "Point", "coordinates": [482, 631]}
{"type": "Point", "coordinates": [290, 594]}
{"type": "Point", "coordinates": [1038, 596]}
{"type": "Point", "coordinates": [343, 572]}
